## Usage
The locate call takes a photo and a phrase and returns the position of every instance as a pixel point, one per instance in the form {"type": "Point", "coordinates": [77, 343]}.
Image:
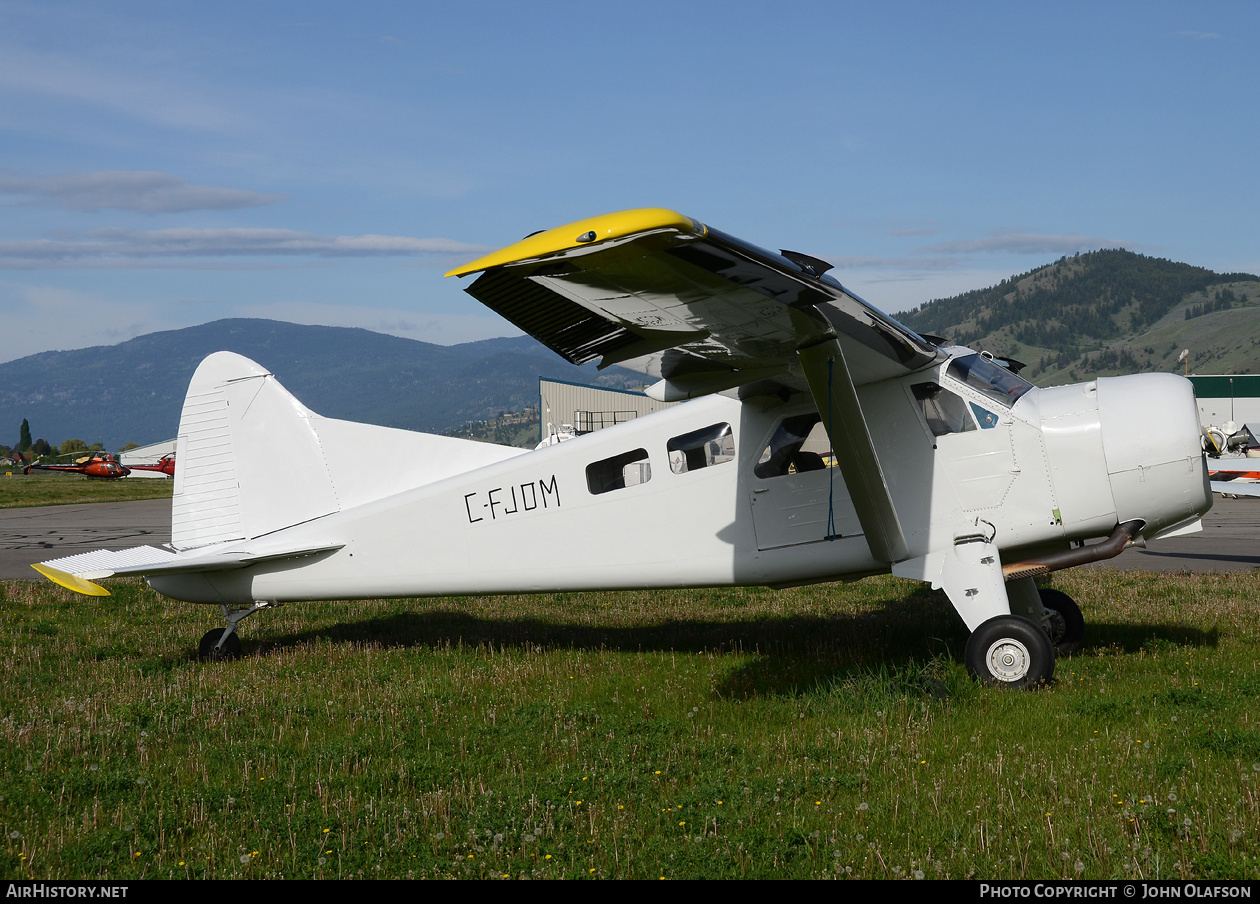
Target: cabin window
{"type": "Point", "coordinates": [943, 411]}
{"type": "Point", "coordinates": [621, 471]}
{"type": "Point", "coordinates": [701, 448]}
{"type": "Point", "coordinates": [797, 446]}
{"type": "Point", "coordinates": [981, 374]}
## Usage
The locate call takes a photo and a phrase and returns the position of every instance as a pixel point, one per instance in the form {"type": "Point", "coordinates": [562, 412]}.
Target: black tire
{"type": "Point", "coordinates": [1067, 625]}
{"type": "Point", "coordinates": [1010, 651]}
{"type": "Point", "coordinates": [231, 647]}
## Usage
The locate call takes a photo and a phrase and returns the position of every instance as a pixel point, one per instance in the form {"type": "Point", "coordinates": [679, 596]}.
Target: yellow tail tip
{"type": "Point", "coordinates": [70, 582]}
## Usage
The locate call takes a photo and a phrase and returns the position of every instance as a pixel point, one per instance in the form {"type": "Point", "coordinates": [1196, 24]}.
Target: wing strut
{"type": "Point", "coordinates": [836, 397]}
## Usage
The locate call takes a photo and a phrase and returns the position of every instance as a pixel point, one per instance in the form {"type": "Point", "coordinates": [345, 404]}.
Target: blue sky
{"type": "Point", "coordinates": [163, 165]}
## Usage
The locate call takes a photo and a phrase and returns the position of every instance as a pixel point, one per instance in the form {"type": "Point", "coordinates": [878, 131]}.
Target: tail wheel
{"type": "Point", "coordinates": [1010, 651]}
{"type": "Point", "coordinates": [230, 649]}
{"type": "Point", "coordinates": [1067, 625]}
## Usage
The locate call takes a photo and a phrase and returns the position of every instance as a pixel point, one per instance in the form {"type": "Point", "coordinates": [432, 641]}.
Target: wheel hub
{"type": "Point", "coordinates": [1008, 660]}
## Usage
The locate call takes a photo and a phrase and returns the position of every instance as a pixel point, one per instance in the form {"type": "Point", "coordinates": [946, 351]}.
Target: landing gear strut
{"type": "Point", "coordinates": [222, 644]}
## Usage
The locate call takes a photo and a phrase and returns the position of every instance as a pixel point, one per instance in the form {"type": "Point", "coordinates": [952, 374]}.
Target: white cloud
{"type": "Point", "coordinates": [152, 96]}
{"type": "Point", "coordinates": [844, 262]}
{"type": "Point", "coordinates": [440, 329]}
{"type": "Point", "coordinates": [112, 246]}
{"type": "Point", "coordinates": [914, 230]}
{"type": "Point", "coordinates": [146, 192]}
{"type": "Point", "coordinates": [897, 289]}
{"type": "Point", "coordinates": [1011, 241]}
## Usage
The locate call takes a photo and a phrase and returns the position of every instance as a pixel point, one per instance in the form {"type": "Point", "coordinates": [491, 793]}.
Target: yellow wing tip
{"type": "Point", "coordinates": [582, 232]}
{"type": "Point", "coordinates": [70, 582]}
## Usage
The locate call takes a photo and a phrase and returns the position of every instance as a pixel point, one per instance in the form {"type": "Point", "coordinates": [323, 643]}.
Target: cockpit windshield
{"type": "Point", "coordinates": [981, 374]}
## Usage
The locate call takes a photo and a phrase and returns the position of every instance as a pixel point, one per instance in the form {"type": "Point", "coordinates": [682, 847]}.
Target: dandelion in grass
{"type": "Point", "coordinates": [244, 857]}
{"type": "Point", "coordinates": [322, 861]}
{"type": "Point", "coordinates": [863, 806]}
{"type": "Point", "coordinates": [15, 834]}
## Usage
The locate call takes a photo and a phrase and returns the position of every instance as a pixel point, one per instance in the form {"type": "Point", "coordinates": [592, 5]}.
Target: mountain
{"type": "Point", "coordinates": [133, 391]}
{"type": "Point", "coordinates": [1103, 313]}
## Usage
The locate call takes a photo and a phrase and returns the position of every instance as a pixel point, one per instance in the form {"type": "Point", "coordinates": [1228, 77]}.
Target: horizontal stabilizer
{"type": "Point", "coordinates": [101, 563]}
{"type": "Point", "coordinates": [77, 572]}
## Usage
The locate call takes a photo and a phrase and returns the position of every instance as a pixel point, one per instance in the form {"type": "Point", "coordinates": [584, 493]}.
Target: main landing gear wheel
{"type": "Point", "coordinates": [1067, 625]}
{"type": "Point", "coordinates": [230, 649]}
{"type": "Point", "coordinates": [1010, 651]}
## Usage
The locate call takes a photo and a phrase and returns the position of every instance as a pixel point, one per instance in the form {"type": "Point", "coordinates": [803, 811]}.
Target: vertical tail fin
{"type": "Point", "coordinates": [249, 459]}
{"type": "Point", "coordinates": [252, 459]}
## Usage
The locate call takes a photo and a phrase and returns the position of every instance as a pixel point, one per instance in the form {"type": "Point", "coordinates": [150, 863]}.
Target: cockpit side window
{"type": "Point", "coordinates": [943, 411]}
{"type": "Point", "coordinates": [981, 374]}
{"type": "Point", "coordinates": [792, 448]}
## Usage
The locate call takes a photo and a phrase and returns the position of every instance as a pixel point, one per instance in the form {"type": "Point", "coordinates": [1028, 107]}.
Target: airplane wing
{"type": "Point", "coordinates": [704, 312]}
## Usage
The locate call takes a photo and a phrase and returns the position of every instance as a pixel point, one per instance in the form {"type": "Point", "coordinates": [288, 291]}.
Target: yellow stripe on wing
{"type": "Point", "coordinates": [583, 232]}
{"type": "Point", "coordinates": [70, 582]}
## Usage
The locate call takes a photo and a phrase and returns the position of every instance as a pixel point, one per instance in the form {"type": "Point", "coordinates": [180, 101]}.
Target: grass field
{"type": "Point", "coordinates": [823, 732]}
{"type": "Point", "coordinates": [50, 488]}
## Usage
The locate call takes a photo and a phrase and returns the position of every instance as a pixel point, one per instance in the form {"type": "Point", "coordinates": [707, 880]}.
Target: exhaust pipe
{"type": "Point", "coordinates": [1120, 538]}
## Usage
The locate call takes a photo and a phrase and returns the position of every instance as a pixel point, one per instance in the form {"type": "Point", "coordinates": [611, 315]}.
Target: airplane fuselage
{"type": "Point", "coordinates": [690, 497]}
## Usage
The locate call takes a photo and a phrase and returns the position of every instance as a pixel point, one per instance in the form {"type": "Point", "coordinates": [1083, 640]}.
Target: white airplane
{"type": "Point", "coordinates": [948, 468]}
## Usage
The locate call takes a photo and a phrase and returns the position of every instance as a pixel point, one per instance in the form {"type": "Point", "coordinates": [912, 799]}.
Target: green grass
{"type": "Point", "coordinates": [51, 488]}
{"type": "Point", "coordinates": [826, 731]}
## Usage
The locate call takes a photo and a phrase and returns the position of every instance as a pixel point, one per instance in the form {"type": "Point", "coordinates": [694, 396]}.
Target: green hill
{"type": "Point", "coordinates": [1104, 313]}
{"type": "Point", "coordinates": [134, 391]}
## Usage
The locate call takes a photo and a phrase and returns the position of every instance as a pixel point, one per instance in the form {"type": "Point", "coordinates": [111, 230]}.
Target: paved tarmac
{"type": "Point", "coordinates": [30, 535]}
{"type": "Point", "coordinates": [1229, 541]}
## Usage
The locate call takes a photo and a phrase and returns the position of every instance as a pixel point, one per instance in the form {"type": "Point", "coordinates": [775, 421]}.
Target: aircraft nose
{"type": "Point", "coordinates": [1150, 434]}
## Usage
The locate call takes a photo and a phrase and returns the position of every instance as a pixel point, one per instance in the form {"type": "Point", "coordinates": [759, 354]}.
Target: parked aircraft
{"type": "Point", "coordinates": [101, 465]}
{"type": "Point", "coordinates": [165, 465]}
{"type": "Point", "coordinates": [949, 467]}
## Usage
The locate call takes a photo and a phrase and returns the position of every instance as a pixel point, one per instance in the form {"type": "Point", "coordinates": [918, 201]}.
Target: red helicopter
{"type": "Point", "coordinates": [166, 465]}
{"type": "Point", "coordinates": [101, 465]}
